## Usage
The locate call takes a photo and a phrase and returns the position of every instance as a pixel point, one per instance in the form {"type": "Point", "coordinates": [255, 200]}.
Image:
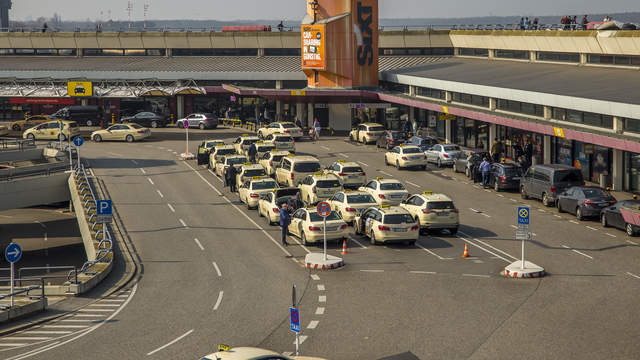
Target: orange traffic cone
{"type": "Point", "coordinates": [344, 248]}
{"type": "Point", "coordinates": [465, 254]}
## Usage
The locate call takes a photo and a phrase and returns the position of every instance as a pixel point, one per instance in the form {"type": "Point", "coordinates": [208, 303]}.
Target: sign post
{"type": "Point", "coordinates": [294, 316]}
{"type": "Point", "coordinates": [187, 155]}
{"type": "Point", "coordinates": [13, 254]}
{"type": "Point", "coordinates": [524, 216]}
{"type": "Point", "coordinates": [78, 141]}
{"type": "Point", "coordinates": [324, 210]}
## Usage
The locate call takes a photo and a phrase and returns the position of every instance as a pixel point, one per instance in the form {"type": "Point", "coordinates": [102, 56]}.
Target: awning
{"type": "Point", "coordinates": [307, 95]}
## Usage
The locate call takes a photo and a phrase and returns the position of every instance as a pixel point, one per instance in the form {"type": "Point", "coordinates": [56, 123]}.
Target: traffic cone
{"type": "Point", "coordinates": [465, 254]}
{"type": "Point", "coordinates": [344, 248]}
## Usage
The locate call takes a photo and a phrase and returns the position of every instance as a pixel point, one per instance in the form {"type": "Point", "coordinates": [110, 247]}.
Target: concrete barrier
{"type": "Point", "coordinates": [83, 224]}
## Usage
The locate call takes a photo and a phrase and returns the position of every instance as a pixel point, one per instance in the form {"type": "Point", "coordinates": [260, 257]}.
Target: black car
{"type": "Point", "coordinates": [423, 143]}
{"type": "Point", "coordinates": [612, 216]}
{"type": "Point", "coordinates": [89, 115]}
{"type": "Point", "coordinates": [146, 119]}
{"type": "Point", "coordinates": [469, 166]}
{"type": "Point", "coordinates": [505, 176]}
{"type": "Point", "coordinates": [584, 201]}
{"type": "Point", "coordinates": [547, 181]}
{"type": "Point", "coordinates": [391, 139]}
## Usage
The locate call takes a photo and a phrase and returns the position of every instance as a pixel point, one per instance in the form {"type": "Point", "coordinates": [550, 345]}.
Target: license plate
{"type": "Point", "coordinates": [399, 229]}
{"type": "Point", "coordinates": [417, 157]}
{"type": "Point", "coordinates": [442, 214]}
{"type": "Point", "coordinates": [334, 228]}
{"type": "Point", "coordinates": [352, 177]}
{"type": "Point", "coordinates": [396, 196]}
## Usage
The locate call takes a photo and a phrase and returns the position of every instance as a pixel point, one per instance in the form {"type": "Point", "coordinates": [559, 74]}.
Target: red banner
{"type": "Point", "coordinates": [27, 100]}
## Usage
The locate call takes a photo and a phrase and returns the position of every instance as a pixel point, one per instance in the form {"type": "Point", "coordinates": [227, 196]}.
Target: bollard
{"type": "Point", "coordinates": [113, 118]}
{"type": "Point", "coordinates": [26, 116]}
{"type": "Point", "coordinates": [172, 123]}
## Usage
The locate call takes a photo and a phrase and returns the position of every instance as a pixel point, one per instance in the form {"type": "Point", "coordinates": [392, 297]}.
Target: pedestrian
{"type": "Point", "coordinates": [407, 128]}
{"type": "Point", "coordinates": [535, 24]}
{"type": "Point", "coordinates": [294, 203]}
{"type": "Point", "coordinates": [231, 180]}
{"type": "Point", "coordinates": [585, 21]}
{"type": "Point", "coordinates": [285, 220]}
{"type": "Point", "coordinates": [281, 26]}
{"type": "Point", "coordinates": [298, 122]}
{"type": "Point", "coordinates": [517, 149]}
{"type": "Point", "coordinates": [574, 22]}
{"type": "Point", "coordinates": [485, 168]}
{"type": "Point", "coordinates": [528, 151]}
{"type": "Point", "coordinates": [522, 163]}
{"type": "Point", "coordinates": [252, 152]}
{"type": "Point", "coordinates": [526, 23]}
{"type": "Point", "coordinates": [316, 129]}
{"type": "Point", "coordinates": [45, 27]}
{"type": "Point", "coordinates": [495, 150]}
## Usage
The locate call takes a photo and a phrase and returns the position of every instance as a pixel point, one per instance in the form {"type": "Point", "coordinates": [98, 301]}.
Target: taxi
{"type": "Point", "coordinates": [218, 151]}
{"type": "Point", "coordinates": [4, 130]}
{"type": "Point", "coordinates": [242, 143]}
{"type": "Point", "coordinates": [29, 122]}
{"type": "Point", "coordinates": [293, 169]}
{"type": "Point", "coordinates": [226, 352]}
{"type": "Point", "coordinates": [204, 149]}
{"type": "Point", "coordinates": [51, 131]}
{"type": "Point", "coordinates": [224, 162]}
{"type": "Point", "coordinates": [387, 224]}
{"type": "Point", "coordinates": [319, 186]}
{"type": "Point", "coordinates": [123, 132]}
{"type": "Point", "coordinates": [405, 156]}
{"type": "Point", "coordinates": [249, 170]}
{"type": "Point", "coordinates": [350, 203]}
{"type": "Point", "coordinates": [250, 191]}
{"type": "Point", "coordinates": [308, 225]}
{"type": "Point", "coordinates": [271, 160]}
{"type": "Point", "coordinates": [263, 148]}
{"type": "Point", "coordinates": [366, 133]}
{"type": "Point", "coordinates": [280, 127]}
{"type": "Point", "coordinates": [350, 173]}
{"type": "Point", "coordinates": [281, 141]}
{"type": "Point", "coordinates": [270, 203]}
{"type": "Point", "coordinates": [433, 211]}
{"type": "Point", "coordinates": [386, 191]}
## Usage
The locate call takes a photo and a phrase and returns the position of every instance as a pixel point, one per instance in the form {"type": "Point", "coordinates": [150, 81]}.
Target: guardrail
{"type": "Point", "coordinates": [19, 144]}
{"type": "Point", "coordinates": [26, 290]}
{"type": "Point", "coordinates": [7, 174]}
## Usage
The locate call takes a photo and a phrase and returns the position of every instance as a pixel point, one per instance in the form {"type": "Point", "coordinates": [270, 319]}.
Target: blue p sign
{"type": "Point", "coordinates": [103, 207]}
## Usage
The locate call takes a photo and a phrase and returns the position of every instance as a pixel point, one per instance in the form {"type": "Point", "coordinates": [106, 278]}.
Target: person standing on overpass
{"type": "Point", "coordinates": [285, 220]}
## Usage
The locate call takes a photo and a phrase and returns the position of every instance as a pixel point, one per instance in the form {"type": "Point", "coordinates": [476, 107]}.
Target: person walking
{"type": "Point", "coordinates": [528, 151]}
{"type": "Point", "coordinates": [485, 168]}
{"type": "Point", "coordinates": [298, 122]}
{"type": "Point", "coordinates": [585, 21]}
{"type": "Point", "coordinates": [231, 180]}
{"type": "Point", "coordinates": [252, 152]}
{"type": "Point", "coordinates": [495, 150]}
{"type": "Point", "coordinates": [285, 220]}
{"type": "Point", "coordinates": [407, 128]}
{"type": "Point", "coordinates": [316, 129]}
{"type": "Point", "coordinates": [535, 24]}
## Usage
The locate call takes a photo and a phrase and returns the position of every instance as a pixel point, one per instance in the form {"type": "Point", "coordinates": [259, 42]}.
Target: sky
{"type": "Point", "coordinates": [293, 9]}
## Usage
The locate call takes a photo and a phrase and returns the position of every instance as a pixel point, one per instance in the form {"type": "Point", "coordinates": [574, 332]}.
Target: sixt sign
{"type": "Point", "coordinates": [364, 18]}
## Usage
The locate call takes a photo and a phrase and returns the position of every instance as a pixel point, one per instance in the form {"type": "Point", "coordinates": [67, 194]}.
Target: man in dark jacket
{"type": "Point", "coordinates": [285, 220]}
{"type": "Point", "coordinates": [231, 178]}
{"type": "Point", "coordinates": [253, 150]}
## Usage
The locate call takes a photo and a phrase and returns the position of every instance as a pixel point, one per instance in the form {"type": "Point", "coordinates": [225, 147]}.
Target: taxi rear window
{"type": "Point", "coordinates": [254, 172]}
{"type": "Point", "coordinates": [284, 139]}
{"type": "Point", "coordinates": [398, 219]}
{"type": "Point", "coordinates": [411, 151]}
{"type": "Point", "coordinates": [277, 158]}
{"type": "Point", "coordinates": [376, 128]}
{"type": "Point", "coordinates": [225, 151]}
{"type": "Point", "coordinates": [288, 126]}
{"type": "Point", "coordinates": [315, 217]}
{"type": "Point", "coordinates": [307, 167]}
{"type": "Point", "coordinates": [266, 148]}
{"type": "Point", "coordinates": [73, 124]}
{"type": "Point", "coordinates": [263, 185]}
{"type": "Point", "coordinates": [236, 161]}
{"type": "Point", "coordinates": [249, 141]}
{"type": "Point", "coordinates": [440, 205]}
{"type": "Point", "coordinates": [328, 183]}
{"type": "Point", "coordinates": [392, 186]}
{"type": "Point", "coordinates": [352, 169]}
{"type": "Point", "coordinates": [360, 199]}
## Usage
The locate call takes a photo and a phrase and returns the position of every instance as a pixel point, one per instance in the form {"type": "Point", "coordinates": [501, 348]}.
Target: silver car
{"type": "Point", "coordinates": [199, 120]}
{"type": "Point", "coordinates": [442, 154]}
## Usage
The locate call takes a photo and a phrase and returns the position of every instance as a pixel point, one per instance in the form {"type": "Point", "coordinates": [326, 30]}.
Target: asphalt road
{"type": "Point", "coordinates": [214, 272]}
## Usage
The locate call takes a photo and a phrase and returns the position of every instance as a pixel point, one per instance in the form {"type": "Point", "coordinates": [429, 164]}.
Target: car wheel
{"type": "Point", "coordinates": [559, 207]}
{"type": "Point", "coordinates": [630, 230]}
{"type": "Point", "coordinates": [439, 163]}
{"type": "Point", "coordinates": [130, 138]}
{"type": "Point", "coordinates": [424, 167]}
{"type": "Point", "coordinates": [267, 217]}
{"type": "Point", "coordinates": [201, 126]}
{"type": "Point", "coordinates": [179, 125]}
{"type": "Point", "coordinates": [453, 231]}
{"type": "Point", "coordinates": [62, 137]}
{"type": "Point", "coordinates": [496, 186]}
{"type": "Point", "coordinates": [412, 243]}
{"type": "Point", "coordinates": [467, 172]}
{"type": "Point", "coordinates": [303, 237]}
{"type": "Point", "coordinates": [31, 137]}
{"type": "Point", "coordinates": [154, 124]}
{"type": "Point", "coordinates": [89, 123]}
{"type": "Point", "coordinates": [455, 168]}
{"type": "Point", "coordinates": [386, 162]}
{"type": "Point", "coordinates": [398, 165]}
{"type": "Point", "coordinates": [260, 212]}
{"type": "Point", "coordinates": [523, 193]}
{"type": "Point", "coordinates": [603, 220]}
{"type": "Point", "coordinates": [545, 200]}
{"type": "Point", "coordinates": [372, 236]}
{"type": "Point", "coordinates": [97, 138]}
{"type": "Point", "coordinates": [579, 215]}
{"type": "Point", "coordinates": [16, 127]}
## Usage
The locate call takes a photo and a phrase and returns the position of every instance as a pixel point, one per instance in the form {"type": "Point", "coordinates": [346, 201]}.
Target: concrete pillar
{"type": "Point", "coordinates": [278, 102]}
{"type": "Point", "coordinates": [448, 97]}
{"type": "Point", "coordinates": [617, 170]}
{"type": "Point", "coordinates": [412, 90]}
{"type": "Point", "coordinates": [618, 124]}
{"type": "Point", "coordinates": [548, 112]}
{"type": "Point", "coordinates": [546, 157]}
{"type": "Point", "coordinates": [448, 133]}
{"type": "Point", "coordinates": [340, 117]}
{"type": "Point", "coordinates": [493, 132]}
{"type": "Point", "coordinates": [492, 53]}
{"type": "Point", "coordinates": [167, 52]}
{"type": "Point", "coordinates": [179, 107]}
{"type": "Point", "coordinates": [493, 104]}
{"type": "Point", "coordinates": [260, 52]}
{"type": "Point", "coordinates": [532, 56]}
{"type": "Point", "coordinates": [300, 112]}
{"type": "Point", "coordinates": [310, 108]}
{"type": "Point", "coordinates": [84, 102]}
{"type": "Point", "coordinates": [583, 58]}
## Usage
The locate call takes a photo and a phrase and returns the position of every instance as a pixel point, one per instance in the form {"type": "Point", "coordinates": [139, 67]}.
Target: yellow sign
{"type": "Point", "coordinates": [298, 93]}
{"type": "Point", "coordinates": [524, 213]}
{"type": "Point", "coordinates": [445, 109]}
{"type": "Point", "coordinates": [447, 117]}
{"type": "Point", "coordinates": [79, 88]}
{"type": "Point", "coordinates": [313, 56]}
{"type": "Point", "coordinates": [559, 132]}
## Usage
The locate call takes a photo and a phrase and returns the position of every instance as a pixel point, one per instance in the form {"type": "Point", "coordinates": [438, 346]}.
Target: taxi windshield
{"type": "Point", "coordinates": [392, 186]}
{"type": "Point", "coordinates": [264, 185]}
{"type": "Point", "coordinates": [360, 199]}
{"type": "Point", "coordinates": [307, 167]}
{"type": "Point", "coordinates": [352, 169]}
{"type": "Point", "coordinates": [236, 161]}
{"type": "Point", "coordinates": [328, 183]}
{"type": "Point", "coordinates": [277, 158]}
{"type": "Point", "coordinates": [411, 151]}
{"type": "Point", "coordinates": [211, 144]}
{"type": "Point", "coordinates": [440, 205]}
{"type": "Point", "coordinates": [225, 151]}
{"type": "Point", "coordinates": [288, 126]}
{"type": "Point", "coordinates": [254, 172]}
{"type": "Point", "coordinates": [398, 219]}
{"type": "Point", "coordinates": [315, 217]}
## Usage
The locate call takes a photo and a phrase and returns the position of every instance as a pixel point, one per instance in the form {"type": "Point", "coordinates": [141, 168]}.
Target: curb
{"type": "Point", "coordinates": [521, 275]}
{"type": "Point", "coordinates": [324, 267]}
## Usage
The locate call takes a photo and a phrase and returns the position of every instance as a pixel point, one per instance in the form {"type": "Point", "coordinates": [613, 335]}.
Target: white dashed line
{"type": "Point", "coordinates": [473, 275]}
{"type": "Point", "coordinates": [474, 210]}
{"type": "Point", "coordinates": [343, 155]}
{"type": "Point", "coordinates": [631, 242]}
{"type": "Point", "coordinates": [217, 269]}
{"type": "Point", "coordinates": [385, 173]}
{"type": "Point", "coordinates": [514, 200]}
{"type": "Point", "coordinates": [634, 275]}
{"type": "Point", "coordinates": [134, 162]}
{"type": "Point", "coordinates": [611, 235]}
{"type": "Point", "coordinates": [541, 210]}
{"type": "Point", "coordinates": [320, 311]}
{"type": "Point", "coordinates": [410, 183]}
{"type": "Point", "coordinates": [182, 222]}
{"type": "Point", "coordinates": [322, 298]}
{"type": "Point", "coordinates": [360, 162]}
{"type": "Point", "coordinates": [591, 228]}
{"type": "Point", "coordinates": [500, 195]}
{"type": "Point", "coordinates": [430, 252]}
{"type": "Point", "coordinates": [313, 324]}
{"type": "Point", "coordinates": [422, 272]}
{"type": "Point", "coordinates": [199, 245]}
{"type": "Point", "coordinates": [171, 208]}
{"type": "Point", "coordinates": [578, 252]}
{"type": "Point", "coordinates": [574, 222]}
{"type": "Point", "coordinates": [315, 277]}
{"type": "Point", "coordinates": [373, 271]}
{"type": "Point", "coordinates": [358, 242]}
{"type": "Point", "coordinates": [144, 172]}
{"type": "Point", "coordinates": [151, 181]}
{"type": "Point", "coordinates": [324, 147]}
{"type": "Point", "coordinates": [159, 193]}
{"type": "Point", "coordinates": [513, 226]}
{"type": "Point", "coordinates": [170, 343]}
{"type": "Point", "coordinates": [302, 339]}
{"type": "Point", "coordinates": [321, 287]}
{"type": "Point", "coordinates": [485, 215]}
{"type": "Point", "coordinates": [558, 216]}
{"type": "Point", "coordinates": [215, 307]}
{"type": "Point", "coordinates": [169, 150]}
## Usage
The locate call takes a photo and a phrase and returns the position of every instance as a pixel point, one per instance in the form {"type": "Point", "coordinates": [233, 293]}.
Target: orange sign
{"type": "Point", "coordinates": [313, 41]}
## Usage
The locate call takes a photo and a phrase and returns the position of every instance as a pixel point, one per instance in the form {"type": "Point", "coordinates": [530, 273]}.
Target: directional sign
{"type": "Point", "coordinates": [323, 209]}
{"type": "Point", "coordinates": [295, 319]}
{"type": "Point", "coordinates": [186, 124]}
{"type": "Point", "coordinates": [13, 253]}
{"type": "Point", "coordinates": [523, 215]}
{"type": "Point", "coordinates": [78, 141]}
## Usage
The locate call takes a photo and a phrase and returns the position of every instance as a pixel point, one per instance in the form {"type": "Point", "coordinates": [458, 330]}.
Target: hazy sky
{"type": "Point", "coordinates": [293, 9]}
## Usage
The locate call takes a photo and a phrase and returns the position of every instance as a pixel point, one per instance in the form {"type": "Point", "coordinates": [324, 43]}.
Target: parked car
{"type": "Point", "coordinates": [199, 120]}
{"type": "Point", "coordinates": [146, 119]}
{"type": "Point", "coordinates": [83, 115]}
{"type": "Point", "coordinates": [51, 131]}
{"type": "Point", "coordinates": [442, 154]}
{"type": "Point", "coordinates": [545, 182]}
{"type": "Point", "coordinates": [423, 143]}
{"type": "Point", "coordinates": [366, 133]}
{"type": "Point", "coordinates": [505, 176]}
{"type": "Point", "coordinates": [391, 138]}
{"type": "Point", "coordinates": [584, 201]}
{"type": "Point", "coordinates": [29, 122]}
{"type": "Point", "coordinates": [612, 216]}
{"type": "Point", "coordinates": [123, 132]}
{"type": "Point", "coordinates": [463, 163]}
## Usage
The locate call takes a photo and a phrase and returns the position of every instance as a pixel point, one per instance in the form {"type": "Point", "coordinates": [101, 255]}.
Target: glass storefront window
{"type": "Point", "coordinates": [632, 172]}
{"type": "Point", "coordinates": [428, 92]}
{"type": "Point", "coordinates": [632, 125]}
{"type": "Point", "coordinates": [600, 163]}
{"type": "Point", "coordinates": [563, 151]}
{"type": "Point", "coordinates": [581, 159]}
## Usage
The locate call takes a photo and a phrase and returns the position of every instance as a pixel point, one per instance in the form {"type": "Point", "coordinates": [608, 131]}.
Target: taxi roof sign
{"type": "Point", "coordinates": [245, 134]}
{"type": "Point", "coordinates": [379, 178]}
{"type": "Point", "coordinates": [427, 193]}
{"type": "Point", "coordinates": [341, 161]}
{"type": "Point", "coordinates": [385, 206]}
{"type": "Point", "coordinates": [223, 347]}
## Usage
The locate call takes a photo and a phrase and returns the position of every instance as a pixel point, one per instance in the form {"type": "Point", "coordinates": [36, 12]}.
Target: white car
{"type": "Point", "coordinates": [308, 225]}
{"type": "Point", "coordinates": [387, 224]}
{"type": "Point", "coordinates": [351, 203]}
{"type": "Point", "coordinates": [443, 154]}
{"type": "Point", "coordinates": [317, 187]}
{"type": "Point", "coordinates": [406, 156]}
{"type": "Point", "coordinates": [250, 353]}
{"type": "Point", "coordinates": [350, 173]}
{"type": "Point", "coordinates": [224, 162]}
{"type": "Point", "coordinates": [270, 203]}
{"type": "Point", "coordinates": [282, 142]}
{"type": "Point", "coordinates": [252, 189]}
{"type": "Point", "coordinates": [386, 191]}
{"type": "Point", "coordinates": [281, 127]}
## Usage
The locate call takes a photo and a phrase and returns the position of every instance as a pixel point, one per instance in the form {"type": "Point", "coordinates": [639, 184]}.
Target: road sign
{"type": "Point", "coordinates": [523, 215]}
{"type": "Point", "coordinates": [104, 207]}
{"type": "Point", "coordinates": [323, 209]}
{"type": "Point", "coordinates": [78, 141]}
{"type": "Point", "coordinates": [523, 235]}
{"type": "Point", "coordinates": [186, 124]}
{"type": "Point", "coordinates": [295, 320]}
{"type": "Point", "coordinates": [13, 253]}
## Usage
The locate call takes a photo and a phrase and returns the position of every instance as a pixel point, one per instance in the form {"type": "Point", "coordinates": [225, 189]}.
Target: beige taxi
{"type": "Point", "coordinates": [386, 191]}
{"type": "Point", "coordinates": [224, 162]}
{"type": "Point", "coordinates": [51, 131]}
{"type": "Point", "coordinates": [242, 143]}
{"type": "Point", "coordinates": [248, 171]}
{"type": "Point", "coordinates": [4, 130]}
{"type": "Point", "coordinates": [270, 203]}
{"type": "Point", "coordinates": [433, 211]}
{"type": "Point", "coordinates": [387, 224]}
{"type": "Point", "coordinates": [204, 149]}
{"type": "Point", "coordinates": [226, 352]}
{"type": "Point", "coordinates": [263, 148]}
{"type": "Point", "coordinates": [308, 225]}
{"type": "Point", "coordinates": [288, 128]}
{"type": "Point", "coordinates": [293, 169]}
{"type": "Point", "coordinates": [318, 187]}
{"type": "Point", "coordinates": [121, 132]}
{"type": "Point", "coordinates": [350, 173]}
{"type": "Point", "coordinates": [252, 189]}
{"type": "Point", "coordinates": [366, 133]}
{"type": "Point", "coordinates": [219, 151]}
{"type": "Point", "coordinates": [29, 122]}
{"type": "Point", "coordinates": [406, 156]}
{"type": "Point", "coordinates": [281, 141]}
{"type": "Point", "coordinates": [271, 160]}
{"type": "Point", "coordinates": [350, 203]}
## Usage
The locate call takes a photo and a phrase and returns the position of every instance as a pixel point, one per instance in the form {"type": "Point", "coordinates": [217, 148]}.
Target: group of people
{"type": "Point", "coordinates": [571, 22]}
{"type": "Point", "coordinates": [526, 24]}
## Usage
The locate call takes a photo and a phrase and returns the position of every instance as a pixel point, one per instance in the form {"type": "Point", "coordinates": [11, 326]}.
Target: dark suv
{"type": "Point", "coordinates": [505, 176]}
{"type": "Point", "coordinates": [545, 182]}
{"type": "Point", "coordinates": [391, 139]}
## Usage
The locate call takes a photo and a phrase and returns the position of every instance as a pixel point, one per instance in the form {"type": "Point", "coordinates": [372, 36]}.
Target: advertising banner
{"type": "Point", "coordinates": [313, 47]}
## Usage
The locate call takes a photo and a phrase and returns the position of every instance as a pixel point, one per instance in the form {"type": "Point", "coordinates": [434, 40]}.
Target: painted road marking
{"type": "Point", "coordinates": [513, 226]}
{"type": "Point", "coordinates": [578, 252]}
{"type": "Point", "coordinates": [495, 248]}
{"type": "Point", "coordinates": [611, 235]}
{"type": "Point", "coordinates": [88, 315]}
{"type": "Point", "coordinates": [199, 244]}
{"type": "Point", "coordinates": [170, 342]}
{"type": "Point", "coordinates": [343, 155]}
{"type": "Point", "coordinates": [631, 242]}
{"type": "Point", "coordinates": [134, 162]}
{"type": "Point", "coordinates": [592, 228]}
{"type": "Point", "coordinates": [45, 332]}
{"type": "Point", "coordinates": [634, 275]}
{"type": "Point", "coordinates": [475, 211]}
{"type": "Point", "coordinates": [360, 162]}
{"type": "Point", "coordinates": [373, 271]}
{"type": "Point", "coordinates": [574, 222]}
{"type": "Point", "coordinates": [385, 173]}
{"type": "Point", "coordinates": [431, 252]}
{"type": "Point", "coordinates": [13, 344]}
{"type": "Point", "coordinates": [320, 311]}
{"type": "Point", "coordinates": [410, 183]}
{"type": "Point", "coordinates": [514, 200]}
{"type": "Point", "coordinates": [322, 298]}
{"type": "Point", "coordinates": [485, 215]}
{"type": "Point", "coordinates": [480, 247]}
{"type": "Point", "coordinates": [29, 338]}
{"type": "Point", "coordinates": [558, 216]}
{"type": "Point", "coordinates": [473, 275]}
{"type": "Point", "coordinates": [423, 272]}
{"type": "Point", "coordinates": [107, 305]}
{"type": "Point", "coordinates": [324, 147]}
{"type": "Point", "coordinates": [321, 287]}
{"type": "Point", "coordinates": [159, 193]}
{"type": "Point", "coordinates": [144, 172]}
{"type": "Point", "coordinates": [182, 222]}
{"type": "Point", "coordinates": [217, 269]}
{"type": "Point", "coordinates": [302, 339]}
{"type": "Point", "coordinates": [358, 242]}
{"type": "Point", "coordinates": [315, 277]}
{"type": "Point", "coordinates": [96, 310]}
{"type": "Point", "coordinates": [66, 326]}
{"type": "Point", "coordinates": [171, 208]}
{"type": "Point", "coordinates": [220, 294]}
{"type": "Point", "coordinates": [500, 195]}
{"type": "Point", "coordinates": [541, 210]}
{"type": "Point", "coordinates": [313, 324]}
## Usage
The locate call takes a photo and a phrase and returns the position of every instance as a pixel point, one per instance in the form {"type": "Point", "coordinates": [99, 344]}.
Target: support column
{"type": "Point", "coordinates": [546, 157]}
{"type": "Point", "coordinates": [300, 113]}
{"type": "Point", "coordinates": [618, 124]}
{"type": "Point", "coordinates": [548, 112]}
{"type": "Point", "coordinates": [532, 56]}
{"type": "Point", "coordinates": [310, 108]}
{"type": "Point", "coordinates": [340, 117]}
{"type": "Point", "coordinates": [583, 58]}
{"type": "Point", "coordinates": [448, 97]}
{"type": "Point", "coordinates": [84, 102]}
{"type": "Point", "coordinates": [278, 102]}
{"type": "Point", "coordinates": [412, 90]}
{"type": "Point", "coordinates": [179, 107]}
{"type": "Point", "coordinates": [493, 104]}
{"type": "Point", "coordinates": [448, 133]}
{"type": "Point", "coordinates": [491, 53]}
{"type": "Point", "coordinates": [617, 170]}
{"type": "Point", "coordinates": [493, 133]}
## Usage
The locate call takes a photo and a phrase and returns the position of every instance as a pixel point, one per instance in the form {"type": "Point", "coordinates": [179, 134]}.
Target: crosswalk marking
{"type": "Point", "coordinates": [67, 326]}
{"type": "Point", "coordinates": [96, 310]}
{"type": "Point", "coordinates": [44, 332]}
{"type": "Point", "coordinates": [12, 344]}
{"type": "Point", "coordinates": [108, 305]}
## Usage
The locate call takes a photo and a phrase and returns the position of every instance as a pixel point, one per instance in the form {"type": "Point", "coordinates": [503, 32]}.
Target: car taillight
{"type": "Point", "coordinates": [368, 134]}
{"type": "Point", "coordinates": [456, 210]}
{"type": "Point", "coordinates": [254, 196]}
{"type": "Point", "coordinates": [286, 131]}
{"type": "Point", "coordinates": [350, 209]}
{"type": "Point", "coordinates": [381, 196]}
{"type": "Point", "coordinates": [140, 131]}
{"type": "Point", "coordinates": [292, 176]}
{"type": "Point", "coordinates": [271, 162]}
{"type": "Point", "coordinates": [314, 189]}
{"type": "Point", "coordinates": [276, 210]}
{"type": "Point", "coordinates": [589, 202]}
{"type": "Point", "coordinates": [553, 189]}
{"type": "Point", "coordinates": [446, 156]}
{"type": "Point", "coordinates": [404, 158]}
{"type": "Point", "coordinates": [342, 174]}
{"type": "Point", "coordinates": [503, 178]}
{"type": "Point", "coordinates": [383, 228]}
{"type": "Point", "coordinates": [415, 227]}
{"type": "Point", "coordinates": [314, 228]}
{"type": "Point", "coordinates": [364, 174]}
{"type": "Point", "coordinates": [390, 141]}
{"type": "Point", "coordinates": [343, 227]}
{"type": "Point", "coordinates": [426, 211]}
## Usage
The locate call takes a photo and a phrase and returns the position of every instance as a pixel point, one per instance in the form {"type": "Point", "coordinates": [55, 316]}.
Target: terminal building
{"type": "Point", "coordinates": [573, 94]}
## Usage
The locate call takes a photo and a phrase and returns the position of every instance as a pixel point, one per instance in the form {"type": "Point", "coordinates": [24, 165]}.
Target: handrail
{"type": "Point", "coordinates": [26, 290]}
{"type": "Point", "coordinates": [74, 270]}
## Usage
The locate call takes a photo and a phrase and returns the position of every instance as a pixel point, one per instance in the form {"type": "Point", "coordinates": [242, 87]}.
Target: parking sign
{"type": "Point", "coordinates": [295, 319]}
{"type": "Point", "coordinates": [523, 215]}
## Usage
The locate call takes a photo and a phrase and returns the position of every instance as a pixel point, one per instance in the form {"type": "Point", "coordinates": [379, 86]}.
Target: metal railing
{"type": "Point", "coordinates": [19, 144]}
{"type": "Point", "coordinates": [72, 274]}
{"type": "Point", "coordinates": [252, 126]}
{"type": "Point", "coordinates": [26, 290]}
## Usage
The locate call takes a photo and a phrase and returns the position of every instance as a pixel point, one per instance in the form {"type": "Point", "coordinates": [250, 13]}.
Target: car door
{"type": "Point", "coordinates": [297, 219]}
{"type": "Point", "coordinates": [367, 221]}
{"type": "Point", "coordinates": [338, 200]}
{"type": "Point", "coordinates": [410, 204]}
{"type": "Point", "coordinates": [615, 216]}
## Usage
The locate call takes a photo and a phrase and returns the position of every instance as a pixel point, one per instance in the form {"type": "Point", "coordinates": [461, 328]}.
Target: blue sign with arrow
{"type": "Point", "coordinates": [13, 253]}
{"type": "Point", "coordinates": [78, 141]}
